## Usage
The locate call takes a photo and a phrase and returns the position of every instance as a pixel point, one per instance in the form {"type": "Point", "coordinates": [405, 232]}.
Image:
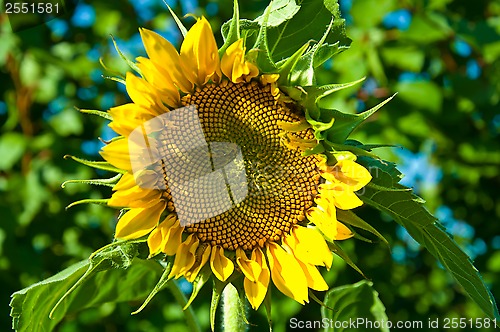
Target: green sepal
{"type": "Point", "coordinates": [260, 54]}
{"type": "Point", "coordinates": [198, 283]}
{"type": "Point", "coordinates": [317, 300]}
{"type": "Point", "coordinates": [349, 217]}
{"type": "Point", "coordinates": [102, 114]}
{"type": "Point", "coordinates": [105, 166]}
{"type": "Point", "coordinates": [319, 127]}
{"type": "Point", "coordinates": [268, 307]}
{"type": "Point", "coordinates": [233, 34]}
{"type": "Point", "coordinates": [164, 279]}
{"type": "Point", "coordinates": [303, 72]}
{"type": "Point", "coordinates": [119, 77]}
{"type": "Point", "coordinates": [369, 147]}
{"type": "Point", "coordinates": [320, 148]}
{"type": "Point", "coordinates": [100, 201]}
{"type": "Point", "coordinates": [314, 94]}
{"type": "Point", "coordinates": [97, 182]}
{"type": "Point", "coordinates": [337, 250]}
{"type": "Point", "coordinates": [217, 288]}
{"type": "Point", "coordinates": [130, 63]}
{"type": "Point", "coordinates": [346, 123]}
{"type": "Point", "coordinates": [118, 255]}
{"type": "Point", "coordinates": [116, 79]}
{"type": "Point", "coordinates": [181, 26]}
{"type": "Point", "coordinates": [287, 66]}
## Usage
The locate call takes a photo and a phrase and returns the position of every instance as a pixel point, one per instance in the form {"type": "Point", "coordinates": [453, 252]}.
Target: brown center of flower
{"type": "Point", "coordinates": [268, 186]}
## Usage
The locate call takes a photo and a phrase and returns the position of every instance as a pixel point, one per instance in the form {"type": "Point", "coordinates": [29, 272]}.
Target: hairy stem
{"type": "Point", "coordinates": [181, 299]}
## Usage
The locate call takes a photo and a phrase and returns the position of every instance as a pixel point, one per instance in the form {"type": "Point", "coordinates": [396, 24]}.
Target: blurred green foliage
{"type": "Point", "coordinates": [441, 56]}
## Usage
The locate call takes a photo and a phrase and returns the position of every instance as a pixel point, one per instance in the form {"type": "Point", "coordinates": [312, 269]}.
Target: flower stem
{"type": "Point", "coordinates": [233, 310]}
{"type": "Point", "coordinates": [181, 299]}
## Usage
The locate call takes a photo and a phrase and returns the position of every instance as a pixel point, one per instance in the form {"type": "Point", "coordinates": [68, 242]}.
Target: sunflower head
{"type": "Point", "coordinates": [228, 167]}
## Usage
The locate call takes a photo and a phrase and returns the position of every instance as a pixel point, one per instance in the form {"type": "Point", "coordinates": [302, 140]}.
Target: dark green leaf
{"type": "Point", "coordinates": [408, 211]}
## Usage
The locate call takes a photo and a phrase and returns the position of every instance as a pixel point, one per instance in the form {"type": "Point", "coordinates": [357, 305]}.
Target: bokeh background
{"type": "Point", "coordinates": [441, 56]}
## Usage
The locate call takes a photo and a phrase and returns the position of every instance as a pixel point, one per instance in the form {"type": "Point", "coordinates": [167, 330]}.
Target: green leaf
{"type": "Point", "coordinates": [31, 306]}
{"type": "Point", "coordinates": [369, 13]}
{"type": "Point", "coordinates": [354, 302]}
{"type": "Point", "coordinates": [404, 57]}
{"type": "Point", "coordinates": [12, 147]}
{"type": "Point", "coordinates": [310, 20]}
{"type": "Point", "coordinates": [67, 123]}
{"type": "Point", "coordinates": [424, 95]}
{"type": "Point", "coordinates": [408, 211]}
{"type": "Point", "coordinates": [280, 12]}
{"type": "Point", "coordinates": [116, 255]}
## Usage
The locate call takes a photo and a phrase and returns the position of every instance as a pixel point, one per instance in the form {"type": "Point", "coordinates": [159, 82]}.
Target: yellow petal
{"type": "Point", "coordinates": [343, 232]}
{"type": "Point", "coordinates": [184, 257]}
{"type": "Point", "coordinates": [135, 197]}
{"type": "Point", "coordinates": [344, 199]}
{"type": "Point", "coordinates": [325, 220]}
{"type": "Point", "coordinates": [126, 181]}
{"type": "Point", "coordinates": [256, 290]}
{"type": "Point", "coordinates": [222, 267]}
{"type": "Point", "coordinates": [154, 242]}
{"type": "Point", "coordinates": [139, 221]}
{"type": "Point", "coordinates": [164, 54]}
{"type": "Point", "coordinates": [128, 117]}
{"type": "Point", "coordinates": [160, 80]}
{"type": "Point", "coordinates": [174, 238]}
{"type": "Point", "coordinates": [250, 268]}
{"type": "Point", "coordinates": [143, 94]}
{"type": "Point", "coordinates": [117, 154]}
{"type": "Point", "coordinates": [234, 65]}
{"type": "Point", "coordinates": [269, 78]}
{"type": "Point", "coordinates": [314, 278]}
{"type": "Point", "coordinates": [168, 233]}
{"type": "Point", "coordinates": [310, 246]}
{"type": "Point", "coordinates": [287, 274]}
{"type": "Point", "coordinates": [199, 53]}
{"type": "Point", "coordinates": [201, 259]}
{"type": "Point", "coordinates": [348, 173]}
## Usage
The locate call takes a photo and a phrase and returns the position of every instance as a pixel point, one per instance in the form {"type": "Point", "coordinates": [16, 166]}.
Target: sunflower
{"type": "Point", "coordinates": [215, 174]}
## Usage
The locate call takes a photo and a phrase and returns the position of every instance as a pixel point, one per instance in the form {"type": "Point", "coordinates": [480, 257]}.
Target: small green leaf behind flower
{"type": "Point", "coordinates": [353, 303]}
